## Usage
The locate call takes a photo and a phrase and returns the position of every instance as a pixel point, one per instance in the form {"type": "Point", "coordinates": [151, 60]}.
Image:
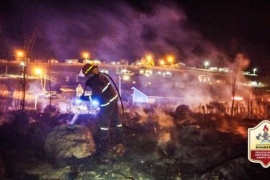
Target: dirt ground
{"type": "Point", "coordinates": [157, 145]}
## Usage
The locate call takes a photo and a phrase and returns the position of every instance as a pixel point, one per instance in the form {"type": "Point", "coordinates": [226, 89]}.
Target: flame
{"type": "Point", "coordinates": [232, 127]}
{"type": "Point", "coordinates": [241, 131]}
{"type": "Point", "coordinates": [164, 138]}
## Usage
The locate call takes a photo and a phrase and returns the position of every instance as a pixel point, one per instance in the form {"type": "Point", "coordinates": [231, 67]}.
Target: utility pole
{"type": "Point", "coordinates": [119, 71]}
{"type": "Point", "coordinates": [119, 86]}
{"type": "Point", "coordinates": [20, 56]}
{"type": "Point", "coordinates": [50, 89]}
{"type": "Point", "coordinates": [23, 65]}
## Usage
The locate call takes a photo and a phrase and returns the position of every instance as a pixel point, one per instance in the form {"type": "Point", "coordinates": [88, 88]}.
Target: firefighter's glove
{"type": "Point", "coordinates": [84, 98]}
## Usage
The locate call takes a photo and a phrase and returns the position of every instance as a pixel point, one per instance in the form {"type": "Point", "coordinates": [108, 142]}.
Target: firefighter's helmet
{"type": "Point", "coordinates": [88, 69]}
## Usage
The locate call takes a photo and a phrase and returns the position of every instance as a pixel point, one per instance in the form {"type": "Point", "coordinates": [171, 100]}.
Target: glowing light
{"type": "Point", "coordinates": [126, 77]}
{"type": "Point", "coordinates": [22, 63]}
{"type": "Point", "coordinates": [149, 72]}
{"type": "Point", "coordinates": [78, 101]}
{"type": "Point", "coordinates": [149, 57]}
{"type": "Point", "coordinates": [149, 60]}
{"type": "Point", "coordinates": [162, 62]}
{"type": "Point", "coordinates": [254, 70]}
{"type": "Point", "coordinates": [237, 98]}
{"type": "Point", "coordinates": [85, 55]}
{"type": "Point", "coordinates": [38, 71]}
{"type": "Point", "coordinates": [104, 71]}
{"type": "Point", "coordinates": [167, 74]}
{"type": "Point", "coordinates": [82, 107]}
{"type": "Point", "coordinates": [170, 58]}
{"type": "Point", "coordinates": [94, 62]}
{"type": "Point", "coordinates": [20, 53]}
{"type": "Point", "coordinates": [95, 103]}
{"type": "Point", "coordinates": [253, 83]}
{"type": "Point", "coordinates": [124, 70]}
{"type": "Point", "coordinates": [206, 64]}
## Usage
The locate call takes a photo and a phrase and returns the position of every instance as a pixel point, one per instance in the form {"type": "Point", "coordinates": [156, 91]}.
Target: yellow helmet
{"type": "Point", "coordinates": [88, 69]}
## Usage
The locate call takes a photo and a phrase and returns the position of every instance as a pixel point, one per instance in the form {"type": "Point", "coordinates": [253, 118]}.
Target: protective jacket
{"type": "Point", "coordinates": [101, 89]}
{"type": "Point", "coordinates": [109, 123]}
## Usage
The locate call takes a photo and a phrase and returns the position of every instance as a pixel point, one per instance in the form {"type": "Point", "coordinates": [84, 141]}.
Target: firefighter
{"type": "Point", "coordinates": [110, 128]}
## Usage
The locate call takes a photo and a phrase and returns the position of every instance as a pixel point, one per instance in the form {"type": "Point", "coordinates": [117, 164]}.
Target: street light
{"type": "Point", "coordinates": [149, 60]}
{"type": "Point", "coordinates": [126, 77]}
{"type": "Point", "coordinates": [162, 62]}
{"type": "Point", "coordinates": [39, 72]}
{"type": "Point", "coordinates": [20, 55]}
{"type": "Point", "coordinates": [206, 64]}
{"type": "Point", "coordinates": [22, 63]}
{"type": "Point", "coordinates": [170, 59]}
{"type": "Point", "coordinates": [85, 55]}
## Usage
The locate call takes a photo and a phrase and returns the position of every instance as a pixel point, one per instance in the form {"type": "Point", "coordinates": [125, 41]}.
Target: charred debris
{"type": "Point", "coordinates": [160, 142]}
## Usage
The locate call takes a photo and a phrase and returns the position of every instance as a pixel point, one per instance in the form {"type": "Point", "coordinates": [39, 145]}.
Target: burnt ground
{"type": "Point", "coordinates": [197, 146]}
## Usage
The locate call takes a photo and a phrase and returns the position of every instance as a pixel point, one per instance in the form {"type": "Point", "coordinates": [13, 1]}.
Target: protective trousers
{"type": "Point", "coordinates": [111, 131]}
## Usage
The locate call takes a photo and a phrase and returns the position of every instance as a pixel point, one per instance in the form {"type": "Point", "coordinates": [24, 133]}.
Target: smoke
{"type": "Point", "coordinates": [195, 87]}
{"type": "Point", "coordinates": [162, 123]}
{"type": "Point", "coordinates": [34, 88]}
{"type": "Point", "coordinates": [115, 31]}
{"type": "Point", "coordinates": [122, 32]}
{"type": "Point", "coordinates": [147, 114]}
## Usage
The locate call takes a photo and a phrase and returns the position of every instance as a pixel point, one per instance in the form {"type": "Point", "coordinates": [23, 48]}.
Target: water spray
{"type": "Point", "coordinates": [74, 119]}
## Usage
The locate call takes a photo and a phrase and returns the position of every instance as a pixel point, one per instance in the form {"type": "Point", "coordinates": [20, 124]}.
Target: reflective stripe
{"type": "Point", "coordinates": [105, 104]}
{"type": "Point", "coordinates": [109, 101]}
{"type": "Point", "coordinates": [104, 129]}
{"type": "Point", "coordinates": [106, 87]}
{"type": "Point", "coordinates": [89, 69]}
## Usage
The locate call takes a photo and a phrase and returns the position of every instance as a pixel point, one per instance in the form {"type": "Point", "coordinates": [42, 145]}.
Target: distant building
{"type": "Point", "coordinates": [80, 89]}
{"type": "Point", "coordinates": [138, 96]}
{"type": "Point", "coordinates": [153, 97]}
{"type": "Point", "coordinates": [53, 61]}
{"type": "Point", "coordinates": [71, 61]}
{"type": "Point", "coordinates": [94, 62]}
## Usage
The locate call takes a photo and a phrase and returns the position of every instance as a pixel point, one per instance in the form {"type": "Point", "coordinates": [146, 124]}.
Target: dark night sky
{"type": "Point", "coordinates": [192, 30]}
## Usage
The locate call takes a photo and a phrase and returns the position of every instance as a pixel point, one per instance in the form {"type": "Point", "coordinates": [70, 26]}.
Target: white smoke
{"type": "Point", "coordinates": [122, 32]}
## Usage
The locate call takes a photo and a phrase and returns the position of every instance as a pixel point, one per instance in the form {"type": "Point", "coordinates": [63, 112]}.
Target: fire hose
{"type": "Point", "coordinates": [75, 117]}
